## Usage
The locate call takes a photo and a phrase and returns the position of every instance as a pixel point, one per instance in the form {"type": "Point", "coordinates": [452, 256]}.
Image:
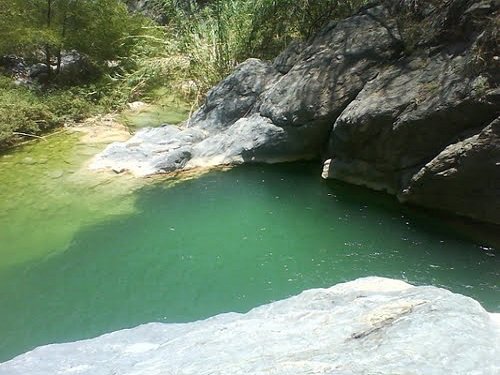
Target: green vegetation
{"type": "Point", "coordinates": [101, 30]}
{"type": "Point", "coordinates": [205, 40]}
{"type": "Point", "coordinates": [26, 111]}
{"type": "Point", "coordinates": [123, 56]}
{"type": "Point", "coordinates": [99, 37]}
{"type": "Point", "coordinates": [30, 111]}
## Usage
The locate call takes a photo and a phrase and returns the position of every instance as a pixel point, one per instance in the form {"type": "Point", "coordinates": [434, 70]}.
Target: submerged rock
{"type": "Point", "coordinates": [380, 102]}
{"type": "Point", "coordinates": [57, 173]}
{"type": "Point", "coordinates": [368, 326]}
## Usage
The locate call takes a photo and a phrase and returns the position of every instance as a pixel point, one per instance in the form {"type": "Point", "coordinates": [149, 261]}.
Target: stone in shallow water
{"type": "Point", "coordinates": [368, 326]}
{"type": "Point", "coordinates": [28, 160]}
{"type": "Point", "coordinates": [55, 173]}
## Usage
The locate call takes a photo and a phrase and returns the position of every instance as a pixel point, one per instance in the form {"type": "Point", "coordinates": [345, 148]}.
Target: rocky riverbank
{"type": "Point", "coordinates": [395, 101]}
{"type": "Point", "coordinates": [371, 325]}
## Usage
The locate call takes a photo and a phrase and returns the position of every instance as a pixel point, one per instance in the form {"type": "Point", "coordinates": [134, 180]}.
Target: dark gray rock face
{"type": "Point", "coordinates": [235, 96]}
{"type": "Point", "coordinates": [259, 113]}
{"type": "Point", "coordinates": [404, 117]}
{"type": "Point", "coordinates": [330, 72]}
{"type": "Point", "coordinates": [463, 178]}
{"type": "Point", "coordinates": [285, 61]}
{"type": "Point", "coordinates": [403, 132]}
{"type": "Point", "coordinates": [381, 114]}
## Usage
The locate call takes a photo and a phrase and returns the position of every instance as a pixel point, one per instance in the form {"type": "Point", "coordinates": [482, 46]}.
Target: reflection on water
{"type": "Point", "coordinates": [46, 197]}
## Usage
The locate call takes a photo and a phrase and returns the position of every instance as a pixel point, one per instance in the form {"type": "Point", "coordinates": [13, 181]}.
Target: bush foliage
{"type": "Point", "coordinates": [199, 44]}
{"type": "Point", "coordinates": [205, 40]}
{"type": "Point", "coordinates": [26, 112]}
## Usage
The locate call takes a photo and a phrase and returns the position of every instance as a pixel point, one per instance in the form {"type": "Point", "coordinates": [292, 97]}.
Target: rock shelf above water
{"type": "Point", "coordinates": [367, 326]}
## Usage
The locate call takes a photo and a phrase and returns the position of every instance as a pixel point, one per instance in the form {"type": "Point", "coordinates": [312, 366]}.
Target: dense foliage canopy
{"type": "Point", "coordinates": [99, 29]}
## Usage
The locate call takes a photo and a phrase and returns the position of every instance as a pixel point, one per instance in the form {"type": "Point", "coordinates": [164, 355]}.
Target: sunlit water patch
{"type": "Point", "coordinates": [46, 196]}
{"type": "Point", "coordinates": [227, 241]}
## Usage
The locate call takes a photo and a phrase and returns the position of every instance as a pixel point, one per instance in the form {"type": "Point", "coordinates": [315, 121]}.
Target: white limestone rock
{"type": "Point", "coordinates": [368, 326]}
{"type": "Point", "coordinates": [150, 151]}
{"type": "Point", "coordinates": [170, 148]}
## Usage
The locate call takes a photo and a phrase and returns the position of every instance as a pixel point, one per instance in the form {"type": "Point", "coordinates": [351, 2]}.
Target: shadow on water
{"type": "Point", "coordinates": [230, 241]}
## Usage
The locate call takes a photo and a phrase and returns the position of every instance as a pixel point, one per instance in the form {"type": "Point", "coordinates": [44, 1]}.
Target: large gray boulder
{"type": "Point", "coordinates": [368, 326]}
{"type": "Point", "coordinates": [406, 126]}
{"type": "Point", "coordinates": [259, 113]}
{"type": "Point", "coordinates": [463, 178]}
{"type": "Point", "coordinates": [170, 148]}
{"type": "Point", "coordinates": [254, 139]}
{"type": "Point", "coordinates": [404, 117]}
{"type": "Point", "coordinates": [150, 151]}
{"type": "Point", "coordinates": [235, 96]}
{"type": "Point", "coordinates": [330, 72]}
{"type": "Point", "coordinates": [377, 96]}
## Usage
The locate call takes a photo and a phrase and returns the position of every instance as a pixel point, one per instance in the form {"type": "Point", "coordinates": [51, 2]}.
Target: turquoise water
{"type": "Point", "coordinates": [228, 241]}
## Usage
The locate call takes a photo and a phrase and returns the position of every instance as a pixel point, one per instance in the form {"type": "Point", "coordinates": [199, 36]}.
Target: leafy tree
{"type": "Point", "coordinates": [102, 30]}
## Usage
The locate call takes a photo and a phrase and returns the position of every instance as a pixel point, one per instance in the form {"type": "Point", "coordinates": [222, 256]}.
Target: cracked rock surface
{"type": "Point", "coordinates": [367, 326]}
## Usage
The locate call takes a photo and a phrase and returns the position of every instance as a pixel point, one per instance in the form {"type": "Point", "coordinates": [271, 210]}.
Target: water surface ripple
{"type": "Point", "coordinates": [227, 241]}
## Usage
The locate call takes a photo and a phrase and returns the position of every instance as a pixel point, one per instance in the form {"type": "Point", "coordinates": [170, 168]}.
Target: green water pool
{"type": "Point", "coordinates": [94, 260]}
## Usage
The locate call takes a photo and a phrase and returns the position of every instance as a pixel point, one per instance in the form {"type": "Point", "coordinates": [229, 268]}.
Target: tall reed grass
{"type": "Point", "coordinates": [204, 40]}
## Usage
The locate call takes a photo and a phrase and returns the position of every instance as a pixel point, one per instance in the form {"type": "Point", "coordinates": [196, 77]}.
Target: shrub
{"type": "Point", "coordinates": [26, 112]}
{"type": "Point", "coordinates": [205, 40]}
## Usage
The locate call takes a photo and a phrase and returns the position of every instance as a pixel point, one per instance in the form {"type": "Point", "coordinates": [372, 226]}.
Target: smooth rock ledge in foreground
{"type": "Point", "coordinates": [368, 326]}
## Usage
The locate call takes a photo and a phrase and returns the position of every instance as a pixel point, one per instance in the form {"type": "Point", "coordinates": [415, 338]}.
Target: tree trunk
{"type": "Point", "coordinates": [63, 34]}
{"type": "Point", "coordinates": [47, 47]}
{"type": "Point", "coordinates": [58, 68]}
{"type": "Point", "coordinates": [48, 61]}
